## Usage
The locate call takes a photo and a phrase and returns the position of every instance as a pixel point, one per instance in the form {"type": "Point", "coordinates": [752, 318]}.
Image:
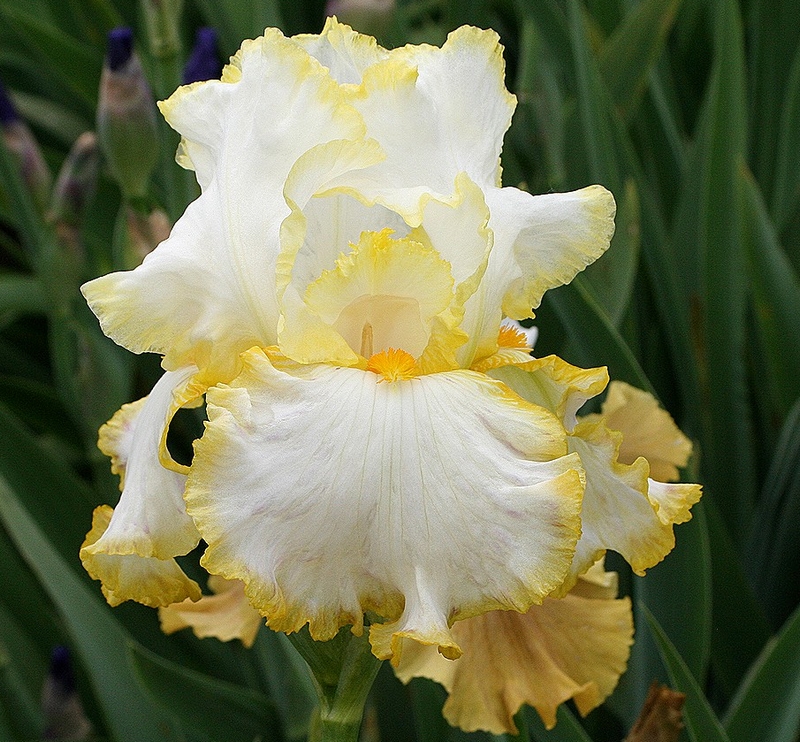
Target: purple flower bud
{"type": "Point", "coordinates": [61, 670]}
{"type": "Point", "coordinates": [61, 704]}
{"type": "Point", "coordinates": [204, 62]}
{"type": "Point", "coordinates": [8, 113]}
{"type": "Point", "coordinates": [21, 143]}
{"type": "Point", "coordinates": [119, 48]}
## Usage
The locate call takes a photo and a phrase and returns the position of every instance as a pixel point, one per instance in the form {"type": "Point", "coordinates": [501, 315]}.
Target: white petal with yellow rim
{"type": "Point", "coordinates": [332, 492]}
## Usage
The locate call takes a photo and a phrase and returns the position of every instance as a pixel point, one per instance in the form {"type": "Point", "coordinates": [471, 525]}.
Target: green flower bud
{"type": "Point", "coordinates": [126, 117]}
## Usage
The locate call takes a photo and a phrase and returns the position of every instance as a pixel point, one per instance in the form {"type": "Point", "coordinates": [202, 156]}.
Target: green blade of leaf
{"type": "Point", "coordinates": [678, 593]}
{"type": "Point", "coordinates": [786, 185]}
{"type": "Point", "coordinates": [701, 722]}
{"type": "Point", "coordinates": [773, 33]}
{"type": "Point", "coordinates": [58, 501]}
{"type": "Point", "coordinates": [593, 109]}
{"type": "Point", "coordinates": [55, 119]}
{"type": "Point", "coordinates": [740, 628]}
{"type": "Point", "coordinates": [594, 335]}
{"type": "Point", "coordinates": [21, 294]}
{"type": "Point", "coordinates": [289, 681]}
{"type": "Point", "coordinates": [99, 640]}
{"type": "Point", "coordinates": [611, 277]}
{"type": "Point", "coordinates": [630, 53]}
{"type": "Point", "coordinates": [773, 564]}
{"type": "Point", "coordinates": [707, 239]}
{"type": "Point", "coordinates": [73, 64]}
{"type": "Point", "coordinates": [21, 708]}
{"type": "Point", "coordinates": [211, 706]}
{"type": "Point", "coordinates": [776, 300]}
{"type": "Point", "coordinates": [86, 19]}
{"type": "Point", "coordinates": [767, 706]}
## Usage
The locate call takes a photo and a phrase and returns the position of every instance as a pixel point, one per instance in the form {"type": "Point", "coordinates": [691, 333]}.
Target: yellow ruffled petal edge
{"type": "Point", "coordinates": [572, 648]}
{"type": "Point", "coordinates": [623, 509]}
{"type": "Point", "coordinates": [551, 382]}
{"type": "Point", "coordinates": [150, 519]}
{"type": "Point", "coordinates": [225, 615]}
{"type": "Point", "coordinates": [647, 429]}
{"type": "Point", "coordinates": [153, 582]}
{"type": "Point", "coordinates": [564, 233]}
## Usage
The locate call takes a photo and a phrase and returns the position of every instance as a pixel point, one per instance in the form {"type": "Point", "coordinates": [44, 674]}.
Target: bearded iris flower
{"type": "Point", "coordinates": [375, 440]}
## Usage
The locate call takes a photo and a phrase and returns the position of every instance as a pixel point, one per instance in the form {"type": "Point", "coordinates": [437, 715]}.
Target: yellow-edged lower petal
{"type": "Point", "coordinates": [623, 509]}
{"type": "Point", "coordinates": [154, 582]}
{"type": "Point", "coordinates": [550, 382]}
{"type": "Point", "coordinates": [225, 615]}
{"type": "Point", "coordinates": [647, 430]}
{"type": "Point", "coordinates": [332, 491]}
{"type": "Point", "coordinates": [572, 648]}
{"type": "Point", "coordinates": [150, 519]}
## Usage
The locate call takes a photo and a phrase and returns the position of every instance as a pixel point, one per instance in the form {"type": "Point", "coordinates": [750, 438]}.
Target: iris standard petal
{"type": "Point", "coordinates": [208, 292]}
{"type": "Point", "coordinates": [343, 51]}
{"type": "Point", "coordinates": [572, 648]}
{"type": "Point", "coordinates": [412, 298]}
{"type": "Point", "coordinates": [331, 492]}
{"type": "Point", "coordinates": [542, 242]}
{"type": "Point", "coordinates": [419, 105]}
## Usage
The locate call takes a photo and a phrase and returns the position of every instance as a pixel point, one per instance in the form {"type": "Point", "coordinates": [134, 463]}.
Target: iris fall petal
{"type": "Point", "coordinates": [385, 491]}
{"type": "Point", "coordinates": [572, 648]}
{"type": "Point", "coordinates": [225, 615]}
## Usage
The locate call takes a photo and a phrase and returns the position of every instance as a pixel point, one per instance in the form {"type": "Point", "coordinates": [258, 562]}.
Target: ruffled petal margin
{"type": "Point", "coordinates": [424, 500]}
{"type": "Point", "coordinates": [575, 648]}
{"type": "Point", "coordinates": [647, 430]}
{"type": "Point", "coordinates": [623, 509]}
{"type": "Point", "coordinates": [130, 549]}
{"type": "Point", "coordinates": [148, 580]}
{"type": "Point", "coordinates": [225, 615]}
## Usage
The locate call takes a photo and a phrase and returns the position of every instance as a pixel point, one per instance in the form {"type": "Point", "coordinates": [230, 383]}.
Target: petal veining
{"type": "Point", "coordinates": [424, 500]}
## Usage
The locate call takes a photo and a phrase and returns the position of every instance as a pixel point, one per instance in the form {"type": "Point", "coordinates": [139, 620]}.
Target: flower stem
{"type": "Point", "coordinates": [343, 669]}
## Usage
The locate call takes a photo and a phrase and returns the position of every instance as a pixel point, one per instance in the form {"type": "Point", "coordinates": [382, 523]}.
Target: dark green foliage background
{"type": "Point", "coordinates": [689, 112]}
